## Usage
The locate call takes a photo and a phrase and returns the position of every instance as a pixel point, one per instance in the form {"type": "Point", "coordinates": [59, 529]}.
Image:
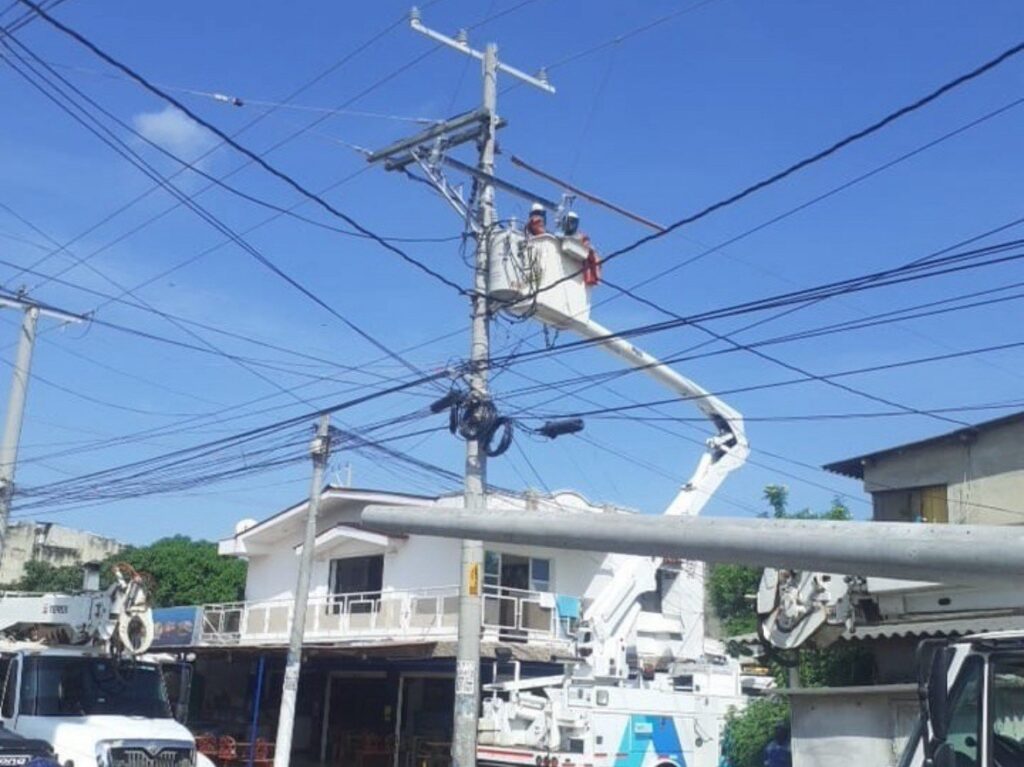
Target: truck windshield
{"type": "Point", "coordinates": [58, 685]}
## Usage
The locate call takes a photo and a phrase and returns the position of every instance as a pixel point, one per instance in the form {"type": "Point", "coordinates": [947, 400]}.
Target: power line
{"type": "Point", "coordinates": [369, 43]}
{"type": "Point", "coordinates": [794, 381]}
{"type": "Point", "coordinates": [129, 154]}
{"type": "Point", "coordinates": [175, 458]}
{"type": "Point", "coordinates": [812, 159]}
{"type": "Point", "coordinates": [918, 270]}
{"type": "Point", "coordinates": [253, 156]}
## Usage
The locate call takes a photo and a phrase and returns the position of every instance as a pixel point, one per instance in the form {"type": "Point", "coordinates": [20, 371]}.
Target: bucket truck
{"type": "Point", "coordinates": [73, 674]}
{"type": "Point", "coordinates": [971, 689]}
{"type": "Point", "coordinates": [637, 694]}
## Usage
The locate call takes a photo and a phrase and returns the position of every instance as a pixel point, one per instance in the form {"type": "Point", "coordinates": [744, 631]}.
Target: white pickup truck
{"type": "Point", "coordinates": [93, 709]}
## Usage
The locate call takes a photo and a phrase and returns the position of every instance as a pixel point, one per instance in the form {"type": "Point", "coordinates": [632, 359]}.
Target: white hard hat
{"type": "Point", "coordinates": [572, 214]}
{"type": "Point", "coordinates": [536, 208]}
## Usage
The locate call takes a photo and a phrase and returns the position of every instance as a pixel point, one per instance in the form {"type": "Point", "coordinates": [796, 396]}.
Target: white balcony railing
{"type": "Point", "coordinates": [385, 617]}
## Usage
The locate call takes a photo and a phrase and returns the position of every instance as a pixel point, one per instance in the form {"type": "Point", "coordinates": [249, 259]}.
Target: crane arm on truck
{"type": "Point", "coordinates": [609, 619]}
{"type": "Point", "coordinates": [118, 617]}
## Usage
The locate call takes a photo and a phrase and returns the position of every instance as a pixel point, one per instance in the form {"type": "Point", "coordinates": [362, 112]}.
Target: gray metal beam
{"type": "Point", "coordinates": [477, 115]}
{"type": "Point", "coordinates": [960, 554]}
{"type": "Point", "coordinates": [488, 178]}
{"type": "Point", "coordinates": [444, 143]}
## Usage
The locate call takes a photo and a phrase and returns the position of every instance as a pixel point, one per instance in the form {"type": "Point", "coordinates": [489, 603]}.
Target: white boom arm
{"type": "Point", "coordinates": [119, 618]}
{"type": "Point", "coordinates": [611, 611]}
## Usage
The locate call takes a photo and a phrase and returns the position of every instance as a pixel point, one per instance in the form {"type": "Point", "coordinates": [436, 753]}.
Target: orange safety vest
{"type": "Point", "coordinates": [592, 266]}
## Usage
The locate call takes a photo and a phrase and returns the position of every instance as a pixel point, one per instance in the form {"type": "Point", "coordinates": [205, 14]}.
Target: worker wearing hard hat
{"type": "Point", "coordinates": [537, 222]}
{"type": "Point", "coordinates": [592, 266]}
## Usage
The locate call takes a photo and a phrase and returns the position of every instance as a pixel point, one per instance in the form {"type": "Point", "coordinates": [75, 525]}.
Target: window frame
{"type": "Point", "coordinates": [492, 579]}
{"type": "Point", "coordinates": [981, 738]}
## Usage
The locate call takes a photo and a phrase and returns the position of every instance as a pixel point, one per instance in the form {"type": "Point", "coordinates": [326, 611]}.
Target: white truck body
{"type": "Point", "coordinates": [72, 673]}
{"type": "Point", "coordinates": [568, 722]}
{"type": "Point", "coordinates": [94, 710]}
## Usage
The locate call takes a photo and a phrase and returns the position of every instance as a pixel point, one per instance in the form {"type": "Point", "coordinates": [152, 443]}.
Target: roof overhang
{"type": "Point", "coordinates": [854, 467]}
{"type": "Point", "coordinates": [286, 527]}
{"type": "Point", "coordinates": [346, 535]}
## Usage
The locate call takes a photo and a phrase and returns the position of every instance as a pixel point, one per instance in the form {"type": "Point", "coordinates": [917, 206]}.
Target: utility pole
{"type": "Point", "coordinates": [320, 450]}
{"type": "Point", "coordinates": [16, 400]}
{"type": "Point", "coordinates": [467, 661]}
{"type": "Point", "coordinates": [429, 149]}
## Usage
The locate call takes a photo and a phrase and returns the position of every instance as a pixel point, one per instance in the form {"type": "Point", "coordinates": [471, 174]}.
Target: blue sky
{"type": "Point", "coordinates": [663, 122]}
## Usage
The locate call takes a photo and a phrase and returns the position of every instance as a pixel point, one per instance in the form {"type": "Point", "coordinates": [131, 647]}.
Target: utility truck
{"type": "Point", "coordinates": [616, 706]}
{"type": "Point", "coordinates": [73, 674]}
{"type": "Point", "coordinates": [971, 690]}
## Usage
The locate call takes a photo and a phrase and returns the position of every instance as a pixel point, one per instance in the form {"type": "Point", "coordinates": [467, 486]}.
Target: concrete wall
{"type": "Point", "coordinates": [832, 727]}
{"type": "Point", "coordinates": [59, 546]}
{"type": "Point", "coordinates": [981, 474]}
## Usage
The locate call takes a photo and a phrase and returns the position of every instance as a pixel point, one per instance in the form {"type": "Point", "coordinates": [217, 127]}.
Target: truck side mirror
{"type": "Point", "coordinates": [932, 665]}
{"type": "Point", "coordinates": [938, 695]}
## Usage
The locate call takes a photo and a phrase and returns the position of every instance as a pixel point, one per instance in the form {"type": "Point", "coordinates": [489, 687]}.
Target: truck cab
{"type": "Point", "coordinates": [95, 710]}
{"type": "Point", "coordinates": [972, 703]}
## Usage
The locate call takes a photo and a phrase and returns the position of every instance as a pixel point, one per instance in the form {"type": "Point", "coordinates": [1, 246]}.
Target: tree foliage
{"type": "Point", "coordinates": [187, 572]}
{"type": "Point", "coordinates": [42, 576]}
{"type": "Point", "coordinates": [181, 571]}
{"type": "Point", "coordinates": [748, 732]}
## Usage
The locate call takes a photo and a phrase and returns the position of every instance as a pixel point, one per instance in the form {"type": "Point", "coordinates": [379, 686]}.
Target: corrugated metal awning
{"type": "Point", "coordinates": [961, 626]}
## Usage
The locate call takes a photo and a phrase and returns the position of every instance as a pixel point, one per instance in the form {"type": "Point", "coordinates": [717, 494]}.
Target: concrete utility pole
{"type": "Point", "coordinates": [16, 401]}
{"type": "Point", "coordinates": [429, 149]}
{"type": "Point", "coordinates": [968, 555]}
{"type": "Point", "coordinates": [320, 450]}
{"type": "Point", "coordinates": [467, 662]}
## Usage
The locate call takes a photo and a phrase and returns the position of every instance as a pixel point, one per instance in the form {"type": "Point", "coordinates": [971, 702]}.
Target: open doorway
{"type": "Point", "coordinates": [425, 723]}
{"type": "Point", "coordinates": [359, 719]}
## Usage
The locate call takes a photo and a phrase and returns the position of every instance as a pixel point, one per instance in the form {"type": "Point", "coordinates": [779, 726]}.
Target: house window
{"type": "Point", "coordinates": [357, 575]}
{"type": "Point", "coordinates": [918, 504]}
{"type": "Point", "coordinates": [503, 572]}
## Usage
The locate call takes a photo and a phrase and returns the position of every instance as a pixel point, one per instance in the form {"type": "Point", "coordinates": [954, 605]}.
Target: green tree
{"type": "Point", "coordinates": [186, 572]}
{"type": "Point", "coordinates": [42, 576]}
{"type": "Point", "coordinates": [729, 590]}
{"type": "Point", "coordinates": [748, 732]}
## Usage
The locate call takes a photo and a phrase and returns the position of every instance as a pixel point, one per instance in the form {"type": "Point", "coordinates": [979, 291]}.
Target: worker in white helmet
{"type": "Point", "coordinates": [571, 224]}
{"type": "Point", "coordinates": [537, 222]}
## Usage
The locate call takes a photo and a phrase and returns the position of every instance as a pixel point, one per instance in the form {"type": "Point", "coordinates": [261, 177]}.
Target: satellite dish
{"type": "Point", "coordinates": [245, 524]}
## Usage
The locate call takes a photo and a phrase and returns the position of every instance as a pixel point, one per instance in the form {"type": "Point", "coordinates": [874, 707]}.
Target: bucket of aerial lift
{"type": "Point", "coordinates": [539, 276]}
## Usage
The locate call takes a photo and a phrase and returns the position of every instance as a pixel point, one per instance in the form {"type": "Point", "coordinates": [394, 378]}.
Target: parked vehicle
{"type": "Point", "coordinates": [72, 674]}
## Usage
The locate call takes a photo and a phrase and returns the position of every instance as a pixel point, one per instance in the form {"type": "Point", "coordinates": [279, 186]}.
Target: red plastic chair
{"type": "Point", "coordinates": [206, 745]}
{"type": "Point", "coordinates": [262, 753]}
{"type": "Point", "coordinates": [227, 751]}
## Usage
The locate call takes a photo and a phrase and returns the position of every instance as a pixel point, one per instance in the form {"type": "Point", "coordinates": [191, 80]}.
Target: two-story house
{"type": "Point", "coordinates": [381, 624]}
{"type": "Point", "coordinates": [973, 475]}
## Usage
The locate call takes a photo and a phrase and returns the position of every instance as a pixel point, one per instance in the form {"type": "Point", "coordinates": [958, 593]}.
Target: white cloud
{"type": "Point", "coordinates": [174, 131]}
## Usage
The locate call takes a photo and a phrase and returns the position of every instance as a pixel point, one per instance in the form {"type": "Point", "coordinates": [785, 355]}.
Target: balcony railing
{"type": "Point", "coordinates": [384, 617]}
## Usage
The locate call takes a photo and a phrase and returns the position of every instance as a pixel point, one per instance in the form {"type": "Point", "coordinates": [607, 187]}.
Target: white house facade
{"type": "Point", "coordinates": [369, 588]}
